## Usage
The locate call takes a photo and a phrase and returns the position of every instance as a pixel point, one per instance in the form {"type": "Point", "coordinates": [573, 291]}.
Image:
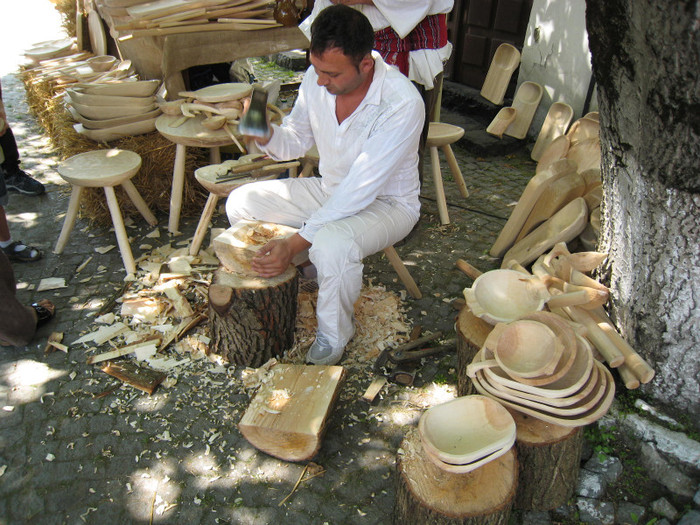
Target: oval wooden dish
{"type": "Point", "coordinates": [117, 132]}
{"type": "Point", "coordinates": [111, 122]}
{"type": "Point", "coordinates": [466, 429]}
{"type": "Point", "coordinates": [468, 467]}
{"type": "Point", "coordinates": [570, 383]}
{"type": "Point", "coordinates": [107, 112]}
{"type": "Point", "coordinates": [125, 88]}
{"type": "Point", "coordinates": [87, 99]}
{"type": "Point", "coordinates": [591, 415]}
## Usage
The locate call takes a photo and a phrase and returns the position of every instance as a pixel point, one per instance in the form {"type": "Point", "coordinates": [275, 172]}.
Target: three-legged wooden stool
{"type": "Point", "coordinates": [441, 135]}
{"type": "Point", "coordinates": [218, 190]}
{"type": "Point", "coordinates": [104, 168]}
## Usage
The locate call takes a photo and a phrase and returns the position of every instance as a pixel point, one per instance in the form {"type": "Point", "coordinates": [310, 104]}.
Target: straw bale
{"type": "Point", "coordinates": [68, 10]}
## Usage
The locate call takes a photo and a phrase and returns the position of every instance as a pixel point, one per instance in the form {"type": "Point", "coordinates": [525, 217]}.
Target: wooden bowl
{"type": "Point", "coordinates": [569, 383]}
{"type": "Point", "coordinates": [219, 92]}
{"type": "Point", "coordinates": [101, 63]}
{"type": "Point", "coordinates": [528, 348]}
{"type": "Point", "coordinates": [501, 296]}
{"type": "Point", "coordinates": [466, 429]}
{"type": "Point", "coordinates": [111, 122]}
{"type": "Point", "coordinates": [87, 99]}
{"type": "Point", "coordinates": [107, 112]}
{"type": "Point", "coordinates": [467, 467]}
{"type": "Point", "coordinates": [121, 88]}
{"type": "Point", "coordinates": [591, 415]}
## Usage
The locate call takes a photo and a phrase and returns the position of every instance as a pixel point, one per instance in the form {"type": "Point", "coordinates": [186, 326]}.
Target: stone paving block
{"type": "Point", "coordinates": [26, 505]}
{"type": "Point", "coordinates": [595, 511]}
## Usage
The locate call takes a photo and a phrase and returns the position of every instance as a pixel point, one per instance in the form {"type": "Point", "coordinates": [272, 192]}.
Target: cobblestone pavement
{"type": "Point", "coordinates": [73, 449]}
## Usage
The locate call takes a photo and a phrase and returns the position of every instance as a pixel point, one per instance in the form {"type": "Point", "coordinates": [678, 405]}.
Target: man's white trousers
{"type": "Point", "coordinates": [338, 247]}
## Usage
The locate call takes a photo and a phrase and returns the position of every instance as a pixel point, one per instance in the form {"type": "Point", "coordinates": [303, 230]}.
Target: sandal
{"type": "Point", "coordinates": [18, 251]}
{"type": "Point", "coordinates": [45, 311]}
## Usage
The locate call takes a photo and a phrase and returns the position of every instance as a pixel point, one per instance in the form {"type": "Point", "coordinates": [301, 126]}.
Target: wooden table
{"type": "Point", "coordinates": [190, 133]}
{"type": "Point", "coordinates": [166, 56]}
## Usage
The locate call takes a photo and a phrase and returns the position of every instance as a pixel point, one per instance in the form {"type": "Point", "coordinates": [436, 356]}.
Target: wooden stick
{"type": "Point", "coordinates": [641, 369]}
{"type": "Point", "coordinates": [628, 377]}
{"type": "Point", "coordinates": [374, 388]}
{"type": "Point", "coordinates": [598, 337]}
{"type": "Point", "coordinates": [468, 269]}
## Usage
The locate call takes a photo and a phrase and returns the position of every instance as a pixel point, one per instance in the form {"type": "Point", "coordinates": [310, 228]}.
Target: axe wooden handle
{"type": "Point", "coordinates": [468, 269]}
{"type": "Point", "coordinates": [598, 337]}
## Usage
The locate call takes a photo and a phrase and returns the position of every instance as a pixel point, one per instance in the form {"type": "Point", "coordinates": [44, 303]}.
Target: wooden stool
{"type": "Point", "coordinates": [308, 163]}
{"type": "Point", "coordinates": [189, 133]}
{"type": "Point", "coordinates": [218, 190]}
{"type": "Point", "coordinates": [104, 168]}
{"type": "Point", "coordinates": [427, 494]}
{"type": "Point", "coordinates": [441, 135]}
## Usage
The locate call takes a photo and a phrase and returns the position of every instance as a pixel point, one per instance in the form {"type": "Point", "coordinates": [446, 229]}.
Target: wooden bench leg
{"type": "Point", "coordinates": [120, 230]}
{"type": "Point", "coordinates": [69, 221]}
{"type": "Point", "coordinates": [203, 224]}
{"type": "Point", "coordinates": [177, 188]}
{"type": "Point", "coordinates": [456, 172]}
{"type": "Point", "coordinates": [439, 188]}
{"type": "Point", "coordinates": [138, 201]}
{"type": "Point", "coordinates": [403, 272]}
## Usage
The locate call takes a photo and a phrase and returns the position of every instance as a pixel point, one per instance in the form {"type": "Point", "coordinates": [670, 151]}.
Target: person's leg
{"type": "Point", "coordinates": [15, 178]}
{"type": "Point", "coordinates": [282, 201]}
{"type": "Point", "coordinates": [17, 322]}
{"type": "Point", "coordinates": [15, 250]}
{"type": "Point", "coordinates": [337, 253]}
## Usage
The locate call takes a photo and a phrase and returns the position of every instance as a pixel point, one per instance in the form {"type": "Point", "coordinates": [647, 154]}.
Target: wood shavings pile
{"type": "Point", "coordinates": [379, 322]}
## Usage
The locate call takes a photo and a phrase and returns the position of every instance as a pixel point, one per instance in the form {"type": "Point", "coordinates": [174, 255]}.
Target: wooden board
{"type": "Point", "coordinates": [427, 494]}
{"type": "Point", "coordinates": [287, 417]}
{"type": "Point", "coordinates": [535, 187]}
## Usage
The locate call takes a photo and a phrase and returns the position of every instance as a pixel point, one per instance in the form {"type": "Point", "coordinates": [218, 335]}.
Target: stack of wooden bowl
{"type": "Point", "coordinates": [466, 433]}
{"type": "Point", "coordinates": [539, 366]}
{"type": "Point", "coordinates": [107, 111]}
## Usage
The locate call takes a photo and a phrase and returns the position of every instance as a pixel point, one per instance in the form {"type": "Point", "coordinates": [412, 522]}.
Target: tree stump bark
{"type": "Point", "coordinates": [252, 319]}
{"type": "Point", "coordinates": [549, 456]}
{"type": "Point", "coordinates": [471, 334]}
{"type": "Point", "coordinates": [428, 495]}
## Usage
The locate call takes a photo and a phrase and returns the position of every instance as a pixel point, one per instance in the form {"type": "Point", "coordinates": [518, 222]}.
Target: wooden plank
{"type": "Point", "coordinates": [374, 388]}
{"type": "Point", "coordinates": [137, 376]}
{"type": "Point", "coordinates": [287, 417]}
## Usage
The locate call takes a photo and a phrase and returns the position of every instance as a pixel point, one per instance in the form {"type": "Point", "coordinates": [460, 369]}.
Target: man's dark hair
{"type": "Point", "coordinates": [342, 27]}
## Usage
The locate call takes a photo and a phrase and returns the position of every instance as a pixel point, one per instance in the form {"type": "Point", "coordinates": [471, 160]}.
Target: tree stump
{"type": "Point", "coordinates": [428, 495]}
{"type": "Point", "coordinates": [252, 319]}
{"type": "Point", "coordinates": [471, 334]}
{"type": "Point", "coordinates": [549, 456]}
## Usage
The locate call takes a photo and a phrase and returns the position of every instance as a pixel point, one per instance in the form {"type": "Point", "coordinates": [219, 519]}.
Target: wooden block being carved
{"type": "Point", "coordinates": [237, 246]}
{"type": "Point", "coordinates": [287, 417]}
{"type": "Point", "coordinates": [427, 494]}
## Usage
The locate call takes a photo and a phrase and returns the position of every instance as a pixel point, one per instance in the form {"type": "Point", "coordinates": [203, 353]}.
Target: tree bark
{"type": "Point", "coordinates": [252, 319]}
{"type": "Point", "coordinates": [645, 61]}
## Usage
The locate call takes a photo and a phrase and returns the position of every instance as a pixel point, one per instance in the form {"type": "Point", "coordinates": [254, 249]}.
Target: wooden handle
{"type": "Point", "coordinates": [600, 340]}
{"type": "Point", "coordinates": [473, 368]}
{"type": "Point", "coordinates": [641, 369]}
{"type": "Point", "coordinates": [628, 377]}
{"type": "Point", "coordinates": [468, 269]}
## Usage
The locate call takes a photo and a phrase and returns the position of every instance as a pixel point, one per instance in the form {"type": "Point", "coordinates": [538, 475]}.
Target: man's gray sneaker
{"type": "Point", "coordinates": [322, 353]}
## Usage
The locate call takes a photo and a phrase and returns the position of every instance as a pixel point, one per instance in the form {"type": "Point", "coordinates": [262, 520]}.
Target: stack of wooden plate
{"type": "Point", "coordinates": [522, 367]}
{"type": "Point", "coordinates": [109, 111]}
{"type": "Point", "coordinates": [49, 49]}
{"type": "Point", "coordinates": [466, 433]}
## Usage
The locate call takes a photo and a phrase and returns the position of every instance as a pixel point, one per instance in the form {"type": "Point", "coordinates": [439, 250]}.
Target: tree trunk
{"type": "Point", "coordinates": [645, 61]}
{"type": "Point", "coordinates": [471, 334]}
{"type": "Point", "coordinates": [252, 319]}
{"type": "Point", "coordinates": [426, 494]}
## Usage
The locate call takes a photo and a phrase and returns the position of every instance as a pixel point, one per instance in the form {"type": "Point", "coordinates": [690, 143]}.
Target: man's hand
{"type": "Point", "coordinates": [275, 257]}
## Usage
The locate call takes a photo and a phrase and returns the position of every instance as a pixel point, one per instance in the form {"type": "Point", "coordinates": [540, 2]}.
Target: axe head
{"type": "Point", "coordinates": [254, 122]}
